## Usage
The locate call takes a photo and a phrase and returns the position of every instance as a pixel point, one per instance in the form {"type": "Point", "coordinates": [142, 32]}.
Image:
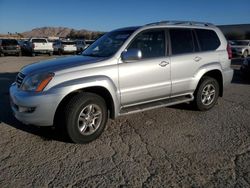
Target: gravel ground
{"type": "Point", "coordinates": [167, 147]}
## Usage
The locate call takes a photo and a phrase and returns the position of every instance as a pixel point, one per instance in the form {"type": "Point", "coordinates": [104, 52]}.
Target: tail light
{"type": "Point", "coordinates": [229, 51]}
{"type": "Point", "coordinates": [17, 46]}
{"type": "Point", "coordinates": [33, 45]}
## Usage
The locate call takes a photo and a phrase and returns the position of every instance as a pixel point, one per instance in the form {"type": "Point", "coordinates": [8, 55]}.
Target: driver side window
{"type": "Point", "coordinates": [151, 43]}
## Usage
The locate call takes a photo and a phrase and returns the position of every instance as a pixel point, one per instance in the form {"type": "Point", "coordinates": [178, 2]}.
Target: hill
{"type": "Point", "coordinates": [61, 32]}
{"type": "Point", "coordinates": [232, 32]}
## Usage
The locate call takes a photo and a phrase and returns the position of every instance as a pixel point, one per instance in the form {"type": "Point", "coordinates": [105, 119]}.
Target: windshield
{"type": "Point", "coordinates": [108, 44]}
{"type": "Point", "coordinates": [240, 43]}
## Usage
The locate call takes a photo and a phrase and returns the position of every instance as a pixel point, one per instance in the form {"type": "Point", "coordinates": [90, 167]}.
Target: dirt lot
{"type": "Point", "coordinates": [173, 146]}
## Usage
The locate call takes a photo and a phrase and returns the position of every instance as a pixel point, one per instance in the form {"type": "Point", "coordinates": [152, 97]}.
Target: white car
{"type": "Point", "coordinates": [241, 47]}
{"type": "Point", "coordinates": [63, 47]}
{"type": "Point", "coordinates": [39, 46]}
{"type": "Point", "coordinates": [80, 45]}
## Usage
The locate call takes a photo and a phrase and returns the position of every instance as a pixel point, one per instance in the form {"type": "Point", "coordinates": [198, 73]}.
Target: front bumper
{"type": "Point", "coordinates": [44, 105]}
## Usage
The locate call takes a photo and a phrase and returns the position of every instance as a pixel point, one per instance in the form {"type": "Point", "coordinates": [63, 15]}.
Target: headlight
{"type": "Point", "coordinates": [36, 82]}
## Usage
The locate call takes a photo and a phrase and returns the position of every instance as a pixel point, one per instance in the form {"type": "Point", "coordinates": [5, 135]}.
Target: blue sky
{"type": "Point", "coordinates": [24, 15]}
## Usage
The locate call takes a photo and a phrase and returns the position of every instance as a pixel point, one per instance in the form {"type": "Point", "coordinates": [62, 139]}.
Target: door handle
{"type": "Point", "coordinates": [164, 64]}
{"type": "Point", "coordinates": [197, 58]}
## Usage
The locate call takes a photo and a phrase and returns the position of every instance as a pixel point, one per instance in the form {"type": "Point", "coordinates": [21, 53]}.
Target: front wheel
{"type": "Point", "coordinates": [85, 117]}
{"type": "Point", "coordinates": [206, 94]}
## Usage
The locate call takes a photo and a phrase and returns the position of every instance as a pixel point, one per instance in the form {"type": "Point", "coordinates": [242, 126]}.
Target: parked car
{"type": "Point", "coordinates": [88, 43]}
{"type": "Point", "coordinates": [39, 46]}
{"type": "Point", "coordinates": [241, 48]}
{"type": "Point", "coordinates": [80, 45]}
{"type": "Point", "coordinates": [63, 47]}
{"type": "Point", "coordinates": [9, 46]}
{"type": "Point", "coordinates": [126, 71]}
{"type": "Point", "coordinates": [24, 47]}
{"type": "Point", "coordinates": [245, 67]}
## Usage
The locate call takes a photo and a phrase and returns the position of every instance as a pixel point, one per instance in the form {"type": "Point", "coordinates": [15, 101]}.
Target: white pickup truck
{"type": "Point", "coordinates": [40, 45]}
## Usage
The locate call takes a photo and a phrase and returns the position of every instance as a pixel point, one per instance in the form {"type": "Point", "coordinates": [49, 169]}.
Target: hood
{"type": "Point", "coordinates": [61, 63]}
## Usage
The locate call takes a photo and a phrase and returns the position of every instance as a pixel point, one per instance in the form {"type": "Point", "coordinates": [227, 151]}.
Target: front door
{"type": "Point", "coordinates": [148, 78]}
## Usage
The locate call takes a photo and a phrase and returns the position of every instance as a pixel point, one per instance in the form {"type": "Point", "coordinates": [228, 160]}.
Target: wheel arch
{"type": "Point", "coordinates": [217, 75]}
{"type": "Point", "coordinates": [99, 90]}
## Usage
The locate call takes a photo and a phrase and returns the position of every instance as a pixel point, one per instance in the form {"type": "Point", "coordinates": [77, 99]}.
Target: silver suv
{"type": "Point", "coordinates": [125, 71]}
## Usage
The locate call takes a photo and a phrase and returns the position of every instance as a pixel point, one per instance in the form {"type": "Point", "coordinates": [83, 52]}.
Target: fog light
{"type": "Point", "coordinates": [26, 109]}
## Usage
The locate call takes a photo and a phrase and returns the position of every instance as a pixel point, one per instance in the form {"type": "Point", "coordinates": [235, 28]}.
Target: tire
{"type": "Point", "coordinates": [245, 54]}
{"type": "Point", "coordinates": [59, 52]}
{"type": "Point", "coordinates": [1, 54]}
{"type": "Point", "coordinates": [208, 86]}
{"type": "Point", "coordinates": [19, 54]}
{"type": "Point", "coordinates": [33, 54]}
{"type": "Point", "coordinates": [50, 53]}
{"type": "Point", "coordinates": [79, 115]}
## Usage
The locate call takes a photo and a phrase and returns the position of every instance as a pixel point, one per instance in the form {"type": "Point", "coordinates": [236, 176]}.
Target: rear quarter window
{"type": "Point", "coordinates": [208, 39]}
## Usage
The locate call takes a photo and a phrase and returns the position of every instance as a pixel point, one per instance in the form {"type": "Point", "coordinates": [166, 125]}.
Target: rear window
{"type": "Point", "coordinates": [208, 39]}
{"type": "Point", "coordinates": [181, 41]}
{"type": "Point", "coordinates": [9, 42]}
{"type": "Point", "coordinates": [39, 40]}
{"type": "Point", "coordinates": [69, 43]}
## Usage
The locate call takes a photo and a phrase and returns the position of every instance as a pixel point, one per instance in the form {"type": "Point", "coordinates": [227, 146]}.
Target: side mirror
{"type": "Point", "coordinates": [131, 55]}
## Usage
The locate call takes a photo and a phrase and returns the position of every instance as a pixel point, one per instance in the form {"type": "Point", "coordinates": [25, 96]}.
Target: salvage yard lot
{"type": "Point", "coordinates": [174, 146]}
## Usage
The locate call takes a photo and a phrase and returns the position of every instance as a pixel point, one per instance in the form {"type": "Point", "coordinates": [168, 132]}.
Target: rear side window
{"type": "Point", "coordinates": [39, 40]}
{"type": "Point", "coordinates": [208, 39]}
{"type": "Point", "coordinates": [181, 41]}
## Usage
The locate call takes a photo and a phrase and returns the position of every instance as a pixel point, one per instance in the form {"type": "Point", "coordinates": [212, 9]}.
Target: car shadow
{"type": "Point", "coordinates": [239, 78]}
{"type": "Point", "coordinates": [7, 117]}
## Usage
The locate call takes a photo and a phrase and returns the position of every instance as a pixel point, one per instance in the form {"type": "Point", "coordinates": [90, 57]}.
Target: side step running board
{"type": "Point", "coordinates": [156, 104]}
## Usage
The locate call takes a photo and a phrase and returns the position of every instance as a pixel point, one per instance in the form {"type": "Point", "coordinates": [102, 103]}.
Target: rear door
{"type": "Point", "coordinates": [185, 59]}
{"type": "Point", "coordinates": [191, 49]}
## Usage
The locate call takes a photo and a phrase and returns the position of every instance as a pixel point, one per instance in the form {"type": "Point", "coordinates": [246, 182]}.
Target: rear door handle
{"type": "Point", "coordinates": [197, 58]}
{"type": "Point", "coordinates": [164, 64]}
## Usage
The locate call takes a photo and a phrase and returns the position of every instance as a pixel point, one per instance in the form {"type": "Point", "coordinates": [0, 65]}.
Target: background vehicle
{"type": "Point", "coordinates": [245, 67]}
{"type": "Point", "coordinates": [88, 43]}
{"type": "Point", "coordinates": [10, 46]}
{"type": "Point", "coordinates": [241, 47]}
{"type": "Point", "coordinates": [80, 45]}
{"type": "Point", "coordinates": [39, 46]}
{"type": "Point", "coordinates": [63, 47]}
{"type": "Point", "coordinates": [125, 71]}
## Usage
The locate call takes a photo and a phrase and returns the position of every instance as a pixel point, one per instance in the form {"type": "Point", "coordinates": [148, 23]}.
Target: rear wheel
{"type": "Point", "coordinates": [206, 94]}
{"type": "Point", "coordinates": [85, 117]}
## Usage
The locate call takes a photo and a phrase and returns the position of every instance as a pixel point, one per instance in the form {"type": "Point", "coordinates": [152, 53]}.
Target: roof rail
{"type": "Point", "coordinates": [173, 22]}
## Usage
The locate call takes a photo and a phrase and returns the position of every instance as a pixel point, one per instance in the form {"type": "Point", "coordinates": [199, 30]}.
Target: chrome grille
{"type": "Point", "coordinates": [19, 79]}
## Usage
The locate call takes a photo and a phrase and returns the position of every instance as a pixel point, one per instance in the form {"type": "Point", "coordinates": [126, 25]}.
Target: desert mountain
{"type": "Point", "coordinates": [60, 32]}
